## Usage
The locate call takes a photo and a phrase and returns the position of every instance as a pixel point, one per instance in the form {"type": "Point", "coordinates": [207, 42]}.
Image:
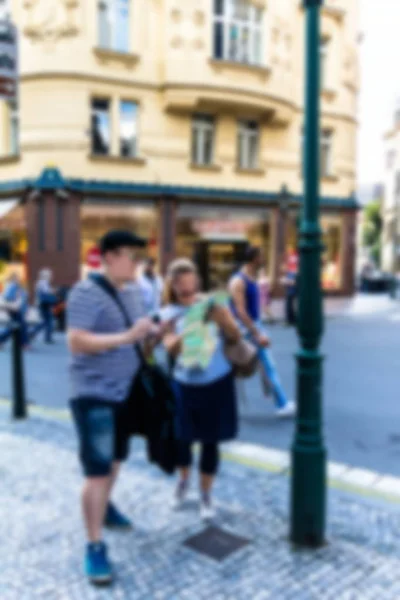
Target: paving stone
{"type": "Point", "coordinates": [42, 556]}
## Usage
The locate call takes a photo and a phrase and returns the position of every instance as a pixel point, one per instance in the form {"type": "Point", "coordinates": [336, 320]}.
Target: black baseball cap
{"type": "Point", "coordinates": [119, 238]}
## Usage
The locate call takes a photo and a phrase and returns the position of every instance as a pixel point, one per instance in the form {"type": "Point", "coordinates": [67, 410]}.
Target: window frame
{"type": "Point", "coordinates": [245, 134]}
{"type": "Point", "coordinates": [122, 101]}
{"type": "Point", "coordinates": [110, 125]}
{"type": "Point", "coordinates": [14, 127]}
{"type": "Point", "coordinates": [324, 45]}
{"type": "Point", "coordinates": [326, 144]}
{"type": "Point", "coordinates": [5, 10]}
{"type": "Point", "coordinates": [326, 138]}
{"type": "Point", "coordinates": [229, 20]}
{"type": "Point", "coordinates": [202, 125]}
{"type": "Point", "coordinates": [112, 10]}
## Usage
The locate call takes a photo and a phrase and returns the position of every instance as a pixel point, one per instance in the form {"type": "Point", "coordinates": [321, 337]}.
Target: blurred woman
{"type": "Point", "coordinates": [206, 400]}
{"type": "Point", "coordinates": [264, 287]}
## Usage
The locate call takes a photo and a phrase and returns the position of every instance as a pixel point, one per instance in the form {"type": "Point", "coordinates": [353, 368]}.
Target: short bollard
{"type": "Point", "coordinates": [18, 385]}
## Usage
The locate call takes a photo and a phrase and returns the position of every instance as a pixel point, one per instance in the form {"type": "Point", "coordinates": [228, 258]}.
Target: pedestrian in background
{"type": "Point", "coordinates": [245, 305]}
{"type": "Point", "coordinates": [46, 299]}
{"type": "Point", "coordinates": [290, 282]}
{"type": "Point", "coordinates": [151, 285]}
{"type": "Point", "coordinates": [264, 286]}
{"type": "Point", "coordinates": [206, 399]}
{"type": "Point", "coordinates": [103, 365]}
{"type": "Point", "coordinates": [15, 302]}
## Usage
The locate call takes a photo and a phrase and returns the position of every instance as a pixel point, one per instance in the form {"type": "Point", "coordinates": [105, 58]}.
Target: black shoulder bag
{"type": "Point", "coordinates": [150, 404]}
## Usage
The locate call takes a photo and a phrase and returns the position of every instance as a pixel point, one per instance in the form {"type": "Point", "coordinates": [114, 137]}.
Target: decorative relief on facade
{"type": "Point", "coordinates": [50, 20]}
{"type": "Point", "coordinates": [281, 51]}
{"type": "Point", "coordinates": [176, 41]}
{"type": "Point", "coordinates": [176, 15]}
{"type": "Point", "coordinates": [183, 21]}
{"type": "Point", "coordinates": [198, 43]}
{"type": "Point", "coordinates": [199, 18]}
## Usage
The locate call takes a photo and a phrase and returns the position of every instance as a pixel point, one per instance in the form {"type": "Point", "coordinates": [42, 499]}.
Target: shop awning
{"type": "Point", "coordinates": [12, 216]}
{"type": "Point", "coordinates": [6, 206]}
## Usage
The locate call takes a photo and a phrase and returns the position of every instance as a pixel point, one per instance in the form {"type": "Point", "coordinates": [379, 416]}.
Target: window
{"type": "Point", "coordinates": [238, 31]}
{"type": "Point", "coordinates": [203, 140]}
{"type": "Point", "coordinates": [128, 113]}
{"type": "Point", "coordinates": [326, 153]}
{"type": "Point", "coordinates": [248, 139]}
{"type": "Point", "coordinates": [390, 159]}
{"type": "Point", "coordinates": [101, 133]}
{"type": "Point", "coordinates": [13, 128]}
{"type": "Point", "coordinates": [323, 53]}
{"type": "Point", "coordinates": [397, 189]}
{"type": "Point", "coordinates": [5, 9]}
{"type": "Point", "coordinates": [113, 24]}
{"type": "Point", "coordinates": [326, 139]}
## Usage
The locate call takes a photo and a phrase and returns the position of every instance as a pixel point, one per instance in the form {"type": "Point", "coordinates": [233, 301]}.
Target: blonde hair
{"type": "Point", "coordinates": [178, 267]}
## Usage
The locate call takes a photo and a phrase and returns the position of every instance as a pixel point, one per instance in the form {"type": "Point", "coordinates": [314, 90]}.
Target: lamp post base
{"type": "Point", "coordinates": [307, 507]}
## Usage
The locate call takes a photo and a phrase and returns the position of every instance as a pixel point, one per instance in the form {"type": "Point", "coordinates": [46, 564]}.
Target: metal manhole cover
{"type": "Point", "coordinates": [216, 543]}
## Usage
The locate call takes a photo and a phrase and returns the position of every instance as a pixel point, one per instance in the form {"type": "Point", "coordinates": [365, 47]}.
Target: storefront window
{"type": "Point", "coordinates": [13, 241]}
{"type": "Point", "coordinates": [217, 238]}
{"type": "Point", "coordinates": [332, 260]}
{"type": "Point", "coordinates": [99, 217]}
{"type": "Point", "coordinates": [332, 240]}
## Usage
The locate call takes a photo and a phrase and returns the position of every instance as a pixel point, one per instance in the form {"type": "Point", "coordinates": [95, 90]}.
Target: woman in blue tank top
{"type": "Point", "coordinates": [206, 400]}
{"type": "Point", "coordinates": [246, 306]}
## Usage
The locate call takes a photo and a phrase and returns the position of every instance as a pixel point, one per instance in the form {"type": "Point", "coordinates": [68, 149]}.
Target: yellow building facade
{"type": "Point", "coordinates": [181, 119]}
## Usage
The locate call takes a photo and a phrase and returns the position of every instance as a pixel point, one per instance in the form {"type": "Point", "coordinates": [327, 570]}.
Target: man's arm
{"type": "Point", "coordinates": [81, 341]}
{"type": "Point", "coordinates": [85, 342]}
{"type": "Point", "coordinates": [81, 336]}
{"type": "Point", "coordinates": [238, 292]}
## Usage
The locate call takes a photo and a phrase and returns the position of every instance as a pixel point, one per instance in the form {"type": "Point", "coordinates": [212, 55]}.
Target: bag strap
{"type": "Point", "coordinates": [110, 290]}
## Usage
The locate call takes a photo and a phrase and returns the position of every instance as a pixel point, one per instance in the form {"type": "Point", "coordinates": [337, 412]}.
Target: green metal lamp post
{"type": "Point", "coordinates": [308, 484]}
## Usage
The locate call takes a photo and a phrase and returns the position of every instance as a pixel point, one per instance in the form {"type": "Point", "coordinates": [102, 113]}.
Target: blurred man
{"type": "Point", "coordinates": [151, 285]}
{"type": "Point", "coordinates": [103, 365]}
{"type": "Point", "coordinates": [45, 300]}
{"type": "Point", "coordinates": [246, 306]}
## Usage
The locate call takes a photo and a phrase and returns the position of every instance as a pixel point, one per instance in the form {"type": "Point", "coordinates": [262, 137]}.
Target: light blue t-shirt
{"type": "Point", "coordinates": [13, 292]}
{"type": "Point", "coordinates": [218, 367]}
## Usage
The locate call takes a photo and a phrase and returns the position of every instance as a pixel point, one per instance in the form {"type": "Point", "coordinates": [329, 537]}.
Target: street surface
{"type": "Point", "coordinates": [361, 389]}
{"type": "Point", "coordinates": [42, 554]}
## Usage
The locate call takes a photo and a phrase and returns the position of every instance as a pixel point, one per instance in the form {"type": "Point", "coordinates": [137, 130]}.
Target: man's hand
{"type": "Point", "coordinates": [262, 340]}
{"type": "Point", "coordinates": [140, 330]}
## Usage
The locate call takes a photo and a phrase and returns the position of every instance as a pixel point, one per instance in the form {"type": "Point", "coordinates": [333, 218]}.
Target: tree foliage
{"type": "Point", "coordinates": [372, 231]}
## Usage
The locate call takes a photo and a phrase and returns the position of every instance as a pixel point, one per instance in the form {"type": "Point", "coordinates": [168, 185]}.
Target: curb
{"type": "Point", "coordinates": [340, 476]}
{"type": "Point", "coordinates": [343, 477]}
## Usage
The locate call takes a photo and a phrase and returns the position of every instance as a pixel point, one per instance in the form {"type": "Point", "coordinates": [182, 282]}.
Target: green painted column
{"type": "Point", "coordinates": [308, 483]}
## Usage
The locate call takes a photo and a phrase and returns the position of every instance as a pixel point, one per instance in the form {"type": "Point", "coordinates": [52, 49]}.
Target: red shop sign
{"type": "Point", "coordinates": [93, 258]}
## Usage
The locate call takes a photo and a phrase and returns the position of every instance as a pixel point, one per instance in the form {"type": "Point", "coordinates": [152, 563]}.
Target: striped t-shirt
{"type": "Point", "coordinates": [106, 375]}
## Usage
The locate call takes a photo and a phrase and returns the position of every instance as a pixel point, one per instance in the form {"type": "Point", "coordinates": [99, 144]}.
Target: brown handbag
{"type": "Point", "coordinates": [243, 356]}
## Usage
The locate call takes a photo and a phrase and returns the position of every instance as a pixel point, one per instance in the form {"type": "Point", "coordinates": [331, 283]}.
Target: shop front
{"type": "Point", "coordinates": [13, 241]}
{"type": "Point", "coordinates": [216, 238]}
{"type": "Point", "coordinates": [57, 223]}
{"type": "Point", "coordinates": [333, 239]}
{"type": "Point", "coordinates": [99, 216]}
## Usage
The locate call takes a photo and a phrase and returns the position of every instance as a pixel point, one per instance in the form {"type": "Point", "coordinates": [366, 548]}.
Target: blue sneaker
{"type": "Point", "coordinates": [115, 519]}
{"type": "Point", "coordinates": [97, 566]}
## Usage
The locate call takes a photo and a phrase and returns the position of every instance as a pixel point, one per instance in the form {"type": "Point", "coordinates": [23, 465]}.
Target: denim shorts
{"type": "Point", "coordinates": [102, 434]}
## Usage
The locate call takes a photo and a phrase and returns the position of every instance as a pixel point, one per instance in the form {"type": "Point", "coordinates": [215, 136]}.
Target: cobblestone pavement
{"type": "Point", "coordinates": [42, 543]}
